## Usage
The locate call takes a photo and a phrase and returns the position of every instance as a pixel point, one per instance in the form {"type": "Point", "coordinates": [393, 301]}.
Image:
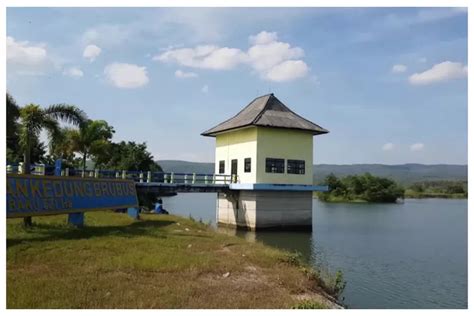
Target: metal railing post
{"type": "Point", "coordinates": [148, 177]}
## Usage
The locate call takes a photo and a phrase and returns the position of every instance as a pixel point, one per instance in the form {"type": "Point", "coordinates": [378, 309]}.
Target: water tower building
{"type": "Point", "coordinates": [269, 150]}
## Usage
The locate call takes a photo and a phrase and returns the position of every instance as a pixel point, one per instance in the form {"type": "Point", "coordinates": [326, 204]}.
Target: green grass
{"type": "Point", "coordinates": [161, 261]}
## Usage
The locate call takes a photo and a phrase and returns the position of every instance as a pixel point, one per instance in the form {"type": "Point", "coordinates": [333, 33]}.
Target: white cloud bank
{"type": "Point", "coordinates": [185, 75]}
{"type": "Point", "coordinates": [271, 59]}
{"type": "Point", "coordinates": [126, 76]}
{"type": "Point", "coordinates": [399, 68]}
{"type": "Point", "coordinates": [91, 52]}
{"type": "Point", "coordinates": [417, 147]}
{"type": "Point", "coordinates": [73, 72]}
{"type": "Point", "coordinates": [388, 147]}
{"type": "Point", "coordinates": [444, 71]}
{"type": "Point", "coordinates": [25, 58]}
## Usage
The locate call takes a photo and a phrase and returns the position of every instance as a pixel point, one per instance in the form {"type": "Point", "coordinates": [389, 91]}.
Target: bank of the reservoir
{"type": "Point", "coordinates": [161, 261]}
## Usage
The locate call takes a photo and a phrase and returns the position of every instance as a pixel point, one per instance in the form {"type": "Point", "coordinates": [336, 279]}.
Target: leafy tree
{"type": "Point", "coordinates": [130, 156]}
{"type": "Point", "coordinates": [361, 187]}
{"type": "Point", "coordinates": [13, 113]}
{"type": "Point", "coordinates": [92, 139]}
{"type": "Point", "coordinates": [33, 119]}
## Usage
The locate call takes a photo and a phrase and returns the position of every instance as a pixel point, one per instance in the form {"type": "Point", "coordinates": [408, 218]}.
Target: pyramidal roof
{"type": "Point", "coordinates": [266, 111]}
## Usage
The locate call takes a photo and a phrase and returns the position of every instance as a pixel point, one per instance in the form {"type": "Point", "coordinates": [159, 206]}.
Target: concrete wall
{"type": "Point", "coordinates": [286, 144]}
{"type": "Point", "coordinates": [259, 143]}
{"type": "Point", "coordinates": [266, 209]}
{"type": "Point", "coordinates": [239, 144]}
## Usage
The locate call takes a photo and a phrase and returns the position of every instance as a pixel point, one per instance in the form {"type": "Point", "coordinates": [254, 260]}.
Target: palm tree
{"type": "Point", "coordinates": [91, 139]}
{"type": "Point", "coordinates": [33, 119]}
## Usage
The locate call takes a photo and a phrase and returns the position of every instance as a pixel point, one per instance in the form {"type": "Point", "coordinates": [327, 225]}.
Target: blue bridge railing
{"type": "Point", "coordinates": [137, 176]}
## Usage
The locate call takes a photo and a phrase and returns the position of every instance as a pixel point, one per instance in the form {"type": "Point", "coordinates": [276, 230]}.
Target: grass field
{"type": "Point", "coordinates": [160, 261]}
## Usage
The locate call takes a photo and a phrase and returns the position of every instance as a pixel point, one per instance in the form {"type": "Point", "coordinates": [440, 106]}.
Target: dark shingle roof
{"type": "Point", "coordinates": [266, 111]}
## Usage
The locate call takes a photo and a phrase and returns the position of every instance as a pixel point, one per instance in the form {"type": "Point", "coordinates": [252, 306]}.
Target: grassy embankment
{"type": "Point", "coordinates": [161, 261]}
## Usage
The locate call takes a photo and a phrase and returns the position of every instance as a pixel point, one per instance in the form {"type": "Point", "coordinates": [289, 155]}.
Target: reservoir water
{"type": "Point", "coordinates": [407, 255]}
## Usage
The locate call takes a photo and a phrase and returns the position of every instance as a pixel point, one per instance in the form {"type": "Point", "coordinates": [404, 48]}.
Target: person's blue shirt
{"type": "Point", "coordinates": [158, 208]}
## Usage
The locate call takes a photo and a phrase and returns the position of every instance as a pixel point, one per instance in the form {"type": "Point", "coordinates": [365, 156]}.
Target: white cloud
{"type": "Point", "coordinates": [91, 52]}
{"type": "Point", "coordinates": [417, 147]}
{"type": "Point", "coordinates": [25, 58]}
{"type": "Point", "coordinates": [399, 68]}
{"type": "Point", "coordinates": [25, 53]}
{"type": "Point", "coordinates": [73, 72]}
{"type": "Point", "coordinates": [108, 35]}
{"type": "Point", "coordinates": [440, 72]}
{"type": "Point", "coordinates": [287, 71]}
{"type": "Point", "coordinates": [127, 76]}
{"type": "Point", "coordinates": [388, 147]}
{"type": "Point", "coordinates": [181, 74]}
{"type": "Point", "coordinates": [205, 89]}
{"type": "Point", "coordinates": [271, 59]}
{"type": "Point", "coordinates": [263, 37]}
{"type": "Point", "coordinates": [204, 56]}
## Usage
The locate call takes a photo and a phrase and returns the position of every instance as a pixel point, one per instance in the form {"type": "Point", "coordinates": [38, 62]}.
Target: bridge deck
{"type": "Point", "coordinates": [157, 187]}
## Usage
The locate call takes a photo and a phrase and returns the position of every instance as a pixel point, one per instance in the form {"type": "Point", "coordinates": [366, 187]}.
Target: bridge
{"type": "Point", "coordinates": [167, 182]}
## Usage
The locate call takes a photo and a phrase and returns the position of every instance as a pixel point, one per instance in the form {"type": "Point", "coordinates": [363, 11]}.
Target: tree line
{"type": "Point", "coordinates": [78, 143]}
{"type": "Point", "coordinates": [440, 189]}
{"type": "Point", "coordinates": [365, 187]}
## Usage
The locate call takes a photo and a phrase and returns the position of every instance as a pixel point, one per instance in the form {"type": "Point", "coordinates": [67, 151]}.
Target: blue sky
{"type": "Point", "coordinates": [389, 84]}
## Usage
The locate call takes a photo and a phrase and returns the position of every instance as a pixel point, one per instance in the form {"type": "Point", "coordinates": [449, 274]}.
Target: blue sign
{"type": "Point", "coordinates": [30, 195]}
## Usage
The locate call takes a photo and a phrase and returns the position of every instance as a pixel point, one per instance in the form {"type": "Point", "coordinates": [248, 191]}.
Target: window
{"type": "Point", "coordinates": [247, 165]}
{"type": "Point", "coordinates": [222, 166]}
{"type": "Point", "coordinates": [274, 165]}
{"type": "Point", "coordinates": [295, 166]}
{"type": "Point", "coordinates": [233, 166]}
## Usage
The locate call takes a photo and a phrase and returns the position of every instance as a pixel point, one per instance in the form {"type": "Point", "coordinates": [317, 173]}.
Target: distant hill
{"type": "Point", "coordinates": [181, 166]}
{"type": "Point", "coordinates": [404, 174]}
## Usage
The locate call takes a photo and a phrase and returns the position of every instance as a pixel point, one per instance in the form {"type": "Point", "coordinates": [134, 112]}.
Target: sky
{"type": "Point", "coordinates": [390, 84]}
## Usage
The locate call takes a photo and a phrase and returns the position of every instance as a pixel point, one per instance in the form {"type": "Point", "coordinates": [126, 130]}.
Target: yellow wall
{"type": "Point", "coordinates": [259, 143]}
{"type": "Point", "coordinates": [285, 144]}
{"type": "Point", "coordinates": [238, 144]}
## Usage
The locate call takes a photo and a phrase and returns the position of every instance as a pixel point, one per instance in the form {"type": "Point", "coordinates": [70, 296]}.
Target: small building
{"type": "Point", "coordinates": [269, 150]}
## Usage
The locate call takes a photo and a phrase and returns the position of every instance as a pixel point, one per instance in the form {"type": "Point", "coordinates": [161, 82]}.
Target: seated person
{"type": "Point", "coordinates": [159, 207]}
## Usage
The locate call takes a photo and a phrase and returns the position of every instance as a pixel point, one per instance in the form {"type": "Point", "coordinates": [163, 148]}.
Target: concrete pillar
{"type": "Point", "coordinates": [133, 212]}
{"type": "Point", "coordinates": [76, 219]}
{"type": "Point", "coordinates": [254, 210]}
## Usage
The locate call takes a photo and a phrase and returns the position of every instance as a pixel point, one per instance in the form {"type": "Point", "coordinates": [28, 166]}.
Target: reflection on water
{"type": "Point", "coordinates": [410, 255]}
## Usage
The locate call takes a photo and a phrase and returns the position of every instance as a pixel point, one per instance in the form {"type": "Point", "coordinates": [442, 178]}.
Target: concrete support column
{"type": "Point", "coordinates": [133, 212]}
{"type": "Point", "coordinates": [76, 219]}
